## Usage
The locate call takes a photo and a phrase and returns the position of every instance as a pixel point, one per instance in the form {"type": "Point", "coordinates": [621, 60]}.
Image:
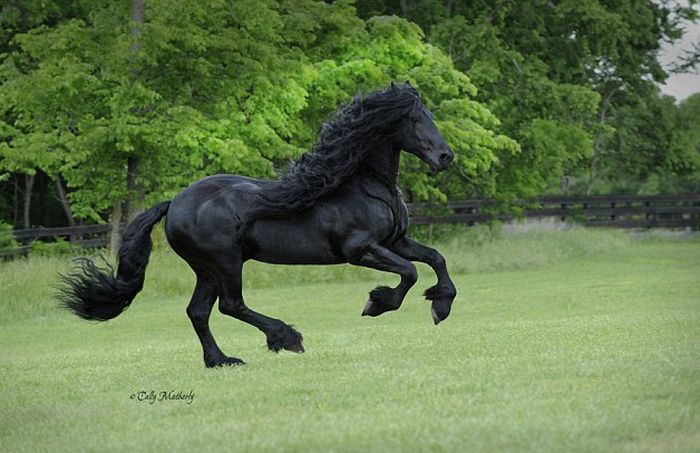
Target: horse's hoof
{"type": "Point", "coordinates": [297, 347]}
{"type": "Point", "coordinates": [224, 361]}
{"type": "Point", "coordinates": [373, 308]}
{"type": "Point", "coordinates": [440, 309]}
{"type": "Point", "coordinates": [380, 301]}
{"type": "Point", "coordinates": [442, 297]}
{"type": "Point", "coordinates": [369, 310]}
{"type": "Point", "coordinates": [286, 338]}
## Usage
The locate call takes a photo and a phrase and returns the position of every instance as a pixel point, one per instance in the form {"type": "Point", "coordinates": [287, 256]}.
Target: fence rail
{"type": "Point", "coordinates": [86, 236]}
{"type": "Point", "coordinates": [619, 211]}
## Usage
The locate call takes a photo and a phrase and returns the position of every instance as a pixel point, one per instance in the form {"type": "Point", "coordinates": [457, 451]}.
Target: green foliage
{"type": "Point", "coordinates": [533, 96]}
{"type": "Point", "coordinates": [56, 248]}
{"type": "Point", "coordinates": [393, 49]}
{"type": "Point", "coordinates": [552, 121]}
{"type": "Point", "coordinates": [655, 147]}
{"type": "Point", "coordinates": [688, 140]}
{"type": "Point", "coordinates": [7, 239]}
{"type": "Point", "coordinates": [557, 69]}
{"type": "Point", "coordinates": [206, 92]}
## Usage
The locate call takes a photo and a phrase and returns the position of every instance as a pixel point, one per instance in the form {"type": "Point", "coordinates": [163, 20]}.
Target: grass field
{"type": "Point", "coordinates": [560, 340]}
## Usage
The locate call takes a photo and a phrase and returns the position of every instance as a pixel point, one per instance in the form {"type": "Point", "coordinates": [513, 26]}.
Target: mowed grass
{"type": "Point", "coordinates": [560, 340]}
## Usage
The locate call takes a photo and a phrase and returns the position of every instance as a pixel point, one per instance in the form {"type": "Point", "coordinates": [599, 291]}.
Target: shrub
{"type": "Point", "coordinates": [7, 239]}
{"type": "Point", "coordinates": [57, 248]}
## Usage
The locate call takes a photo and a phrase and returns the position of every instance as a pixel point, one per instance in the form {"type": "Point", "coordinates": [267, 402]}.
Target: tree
{"type": "Point", "coordinates": [529, 58]}
{"type": "Point", "coordinates": [19, 17]}
{"type": "Point", "coordinates": [688, 125]}
{"type": "Point", "coordinates": [657, 146]}
{"type": "Point", "coordinates": [222, 86]}
{"type": "Point", "coordinates": [393, 49]}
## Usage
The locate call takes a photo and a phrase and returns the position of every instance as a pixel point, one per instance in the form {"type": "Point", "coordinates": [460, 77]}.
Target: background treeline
{"type": "Point", "coordinates": [106, 107]}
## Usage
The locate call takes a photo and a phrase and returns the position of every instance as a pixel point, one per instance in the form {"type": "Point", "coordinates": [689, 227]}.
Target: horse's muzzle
{"type": "Point", "coordinates": [442, 162]}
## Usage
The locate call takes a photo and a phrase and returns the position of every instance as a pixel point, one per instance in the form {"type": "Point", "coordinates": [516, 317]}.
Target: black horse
{"type": "Point", "coordinates": [339, 203]}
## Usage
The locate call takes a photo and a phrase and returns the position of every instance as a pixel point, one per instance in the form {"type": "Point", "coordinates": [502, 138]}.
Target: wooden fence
{"type": "Point", "coordinates": [619, 211]}
{"type": "Point", "coordinates": [88, 236]}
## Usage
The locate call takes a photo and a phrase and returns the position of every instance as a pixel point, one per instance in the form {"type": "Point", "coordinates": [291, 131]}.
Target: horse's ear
{"type": "Point", "coordinates": [393, 85]}
{"type": "Point", "coordinates": [408, 82]}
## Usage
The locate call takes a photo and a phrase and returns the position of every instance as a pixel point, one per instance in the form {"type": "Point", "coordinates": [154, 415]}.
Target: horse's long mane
{"type": "Point", "coordinates": [354, 130]}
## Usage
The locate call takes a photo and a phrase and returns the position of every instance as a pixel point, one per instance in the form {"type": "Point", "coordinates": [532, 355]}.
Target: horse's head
{"type": "Point", "coordinates": [421, 137]}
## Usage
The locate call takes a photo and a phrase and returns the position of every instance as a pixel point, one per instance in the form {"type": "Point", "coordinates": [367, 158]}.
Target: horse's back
{"type": "Point", "coordinates": [207, 214]}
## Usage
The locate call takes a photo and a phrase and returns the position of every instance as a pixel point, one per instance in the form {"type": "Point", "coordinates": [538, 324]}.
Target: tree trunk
{"type": "Point", "coordinates": [449, 4]}
{"type": "Point", "coordinates": [65, 204]}
{"type": "Point", "coordinates": [135, 191]}
{"type": "Point", "coordinates": [15, 203]}
{"type": "Point", "coordinates": [404, 8]}
{"type": "Point", "coordinates": [28, 185]}
{"type": "Point", "coordinates": [134, 203]}
{"type": "Point", "coordinates": [597, 143]}
{"type": "Point", "coordinates": [138, 13]}
{"type": "Point", "coordinates": [134, 195]}
{"type": "Point", "coordinates": [115, 236]}
{"type": "Point", "coordinates": [592, 175]}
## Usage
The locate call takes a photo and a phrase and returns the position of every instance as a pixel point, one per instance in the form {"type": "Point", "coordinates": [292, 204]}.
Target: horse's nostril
{"type": "Point", "coordinates": [445, 158]}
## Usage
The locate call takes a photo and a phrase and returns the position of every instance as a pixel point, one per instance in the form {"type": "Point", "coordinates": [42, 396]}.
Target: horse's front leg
{"type": "Point", "coordinates": [443, 293]}
{"type": "Point", "coordinates": [383, 298]}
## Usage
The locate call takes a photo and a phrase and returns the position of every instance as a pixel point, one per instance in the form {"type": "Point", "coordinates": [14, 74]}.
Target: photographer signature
{"type": "Point", "coordinates": [151, 396]}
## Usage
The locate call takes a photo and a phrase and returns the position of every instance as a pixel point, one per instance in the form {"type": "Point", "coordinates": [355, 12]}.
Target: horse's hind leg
{"type": "Point", "coordinates": [198, 311]}
{"type": "Point", "coordinates": [279, 335]}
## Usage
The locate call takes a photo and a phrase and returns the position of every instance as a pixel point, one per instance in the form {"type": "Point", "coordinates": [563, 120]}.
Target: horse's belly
{"type": "Point", "coordinates": [290, 244]}
{"type": "Point", "coordinates": [295, 255]}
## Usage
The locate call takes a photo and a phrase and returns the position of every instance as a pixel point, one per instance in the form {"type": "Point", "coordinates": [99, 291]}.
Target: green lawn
{"type": "Point", "coordinates": [560, 341]}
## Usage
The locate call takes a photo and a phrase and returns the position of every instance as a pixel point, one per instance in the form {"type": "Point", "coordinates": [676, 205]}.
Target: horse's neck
{"type": "Point", "coordinates": [383, 165]}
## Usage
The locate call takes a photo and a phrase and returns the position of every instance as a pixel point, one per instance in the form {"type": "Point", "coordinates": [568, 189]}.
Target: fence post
{"type": "Point", "coordinates": [564, 207]}
{"type": "Point", "coordinates": [648, 215]}
{"type": "Point", "coordinates": [612, 206]}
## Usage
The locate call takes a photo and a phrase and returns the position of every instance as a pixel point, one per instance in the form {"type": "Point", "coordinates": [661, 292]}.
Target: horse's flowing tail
{"type": "Point", "coordinates": [97, 294]}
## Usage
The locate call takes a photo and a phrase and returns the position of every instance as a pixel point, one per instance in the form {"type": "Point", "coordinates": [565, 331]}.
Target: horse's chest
{"type": "Point", "coordinates": [393, 222]}
{"type": "Point", "coordinates": [399, 212]}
